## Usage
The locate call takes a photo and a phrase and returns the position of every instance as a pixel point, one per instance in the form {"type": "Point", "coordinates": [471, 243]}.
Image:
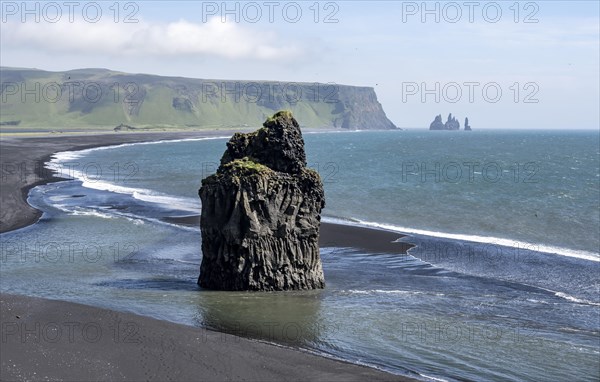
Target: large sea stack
{"type": "Point", "coordinates": [261, 213]}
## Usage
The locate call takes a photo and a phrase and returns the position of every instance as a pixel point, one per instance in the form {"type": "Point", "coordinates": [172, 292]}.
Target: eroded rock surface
{"type": "Point", "coordinates": [261, 213]}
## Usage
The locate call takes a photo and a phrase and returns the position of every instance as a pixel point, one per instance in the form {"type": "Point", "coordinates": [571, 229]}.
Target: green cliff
{"type": "Point", "coordinates": [100, 98]}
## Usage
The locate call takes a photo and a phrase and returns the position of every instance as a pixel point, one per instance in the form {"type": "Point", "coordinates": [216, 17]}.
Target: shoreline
{"type": "Point", "coordinates": [30, 172]}
{"type": "Point", "coordinates": [20, 175]}
{"type": "Point", "coordinates": [22, 161]}
{"type": "Point", "coordinates": [35, 152]}
{"type": "Point", "coordinates": [51, 339]}
{"type": "Point", "coordinates": [372, 240]}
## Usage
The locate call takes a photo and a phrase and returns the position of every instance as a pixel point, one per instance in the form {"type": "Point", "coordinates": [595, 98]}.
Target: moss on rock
{"type": "Point", "coordinates": [261, 213]}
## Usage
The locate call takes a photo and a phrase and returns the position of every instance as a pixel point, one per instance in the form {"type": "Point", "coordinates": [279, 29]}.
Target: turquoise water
{"type": "Point", "coordinates": [503, 281]}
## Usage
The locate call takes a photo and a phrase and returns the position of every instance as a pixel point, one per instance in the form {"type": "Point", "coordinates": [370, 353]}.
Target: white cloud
{"type": "Point", "coordinates": [213, 38]}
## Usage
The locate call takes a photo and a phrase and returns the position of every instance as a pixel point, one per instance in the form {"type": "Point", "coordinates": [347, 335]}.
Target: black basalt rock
{"type": "Point", "coordinates": [452, 123]}
{"type": "Point", "coordinates": [467, 126]}
{"type": "Point", "coordinates": [261, 213]}
{"type": "Point", "coordinates": [437, 124]}
{"type": "Point", "coordinates": [277, 145]}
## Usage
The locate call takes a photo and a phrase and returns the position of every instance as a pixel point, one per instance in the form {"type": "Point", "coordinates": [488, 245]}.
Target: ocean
{"type": "Point", "coordinates": [502, 284]}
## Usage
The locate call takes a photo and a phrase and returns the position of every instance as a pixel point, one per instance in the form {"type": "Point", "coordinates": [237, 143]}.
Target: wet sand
{"type": "Point", "coordinates": [56, 340]}
{"type": "Point", "coordinates": [372, 240]}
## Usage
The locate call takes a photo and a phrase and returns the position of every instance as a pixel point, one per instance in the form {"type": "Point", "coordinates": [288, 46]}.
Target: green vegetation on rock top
{"type": "Point", "coordinates": [245, 166]}
{"type": "Point", "coordinates": [283, 113]}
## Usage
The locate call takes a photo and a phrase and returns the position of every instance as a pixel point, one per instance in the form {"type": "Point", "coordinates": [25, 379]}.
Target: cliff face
{"type": "Point", "coordinates": [99, 97]}
{"type": "Point", "coordinates": [358, 108]}
{"type": "Point", "coordinates": [261, 213]}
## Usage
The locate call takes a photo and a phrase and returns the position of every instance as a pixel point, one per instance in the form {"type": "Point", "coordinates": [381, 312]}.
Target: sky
{"type": "Point", "coordinates": [503, 64]}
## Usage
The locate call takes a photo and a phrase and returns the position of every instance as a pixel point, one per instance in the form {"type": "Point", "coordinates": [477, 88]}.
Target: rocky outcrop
{"type": "Point", "coordinates": [261, 213]}
{"type": "Point", "coordinates": [123, 127]}
{"type": "Point", "coordinates": [437, 123]}
{"type": "Point", "coordinates": [357, 108]}
{"type": "Point", "coordinates": [451, 124]}
{"type": "Point", "coordinates": [467, 127]}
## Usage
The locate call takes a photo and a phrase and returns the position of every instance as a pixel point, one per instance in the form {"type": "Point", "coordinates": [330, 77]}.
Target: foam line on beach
{"type": "Point", "coordinates": [511, 243]}
{"type": "Point", "coordinates": [576, 300]}
{"type": "Point", "coordinates": [192, 205]}
{"type": "Point", "coordinates": [146, 195]}
{"type": "Point", "coordinates": [79, 153]}
{"type": "Point", "coordinates": [135, 219]}
{"type": "Point", "coordinates": [187, 204]}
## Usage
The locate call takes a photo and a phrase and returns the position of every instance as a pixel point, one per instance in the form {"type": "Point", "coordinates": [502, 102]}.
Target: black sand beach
{"type": "Point", "coordinates": [22, 164]}
{"type": "Point", "coordinates": [67, 349]}
{"type": "Point", "coordinates": [56, 340]}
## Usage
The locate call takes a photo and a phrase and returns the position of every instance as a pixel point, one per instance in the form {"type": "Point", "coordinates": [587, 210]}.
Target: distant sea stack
{"type": "Point", "coordinates": [437, 123]}
{"type": "Point", "coordinates": [451, 123]}
{"type": "Point", "coordinates": [467, 126]}
{"type": "Point", "coordinates": [261, 213]}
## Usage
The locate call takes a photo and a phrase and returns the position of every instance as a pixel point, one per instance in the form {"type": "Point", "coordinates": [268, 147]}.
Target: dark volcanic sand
{"type": "Point", "coordinates": [56, 340]}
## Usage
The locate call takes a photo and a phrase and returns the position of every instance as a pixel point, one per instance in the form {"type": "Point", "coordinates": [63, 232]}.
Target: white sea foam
{"type": "Point", "coordinates": [90, 212]}
{"type": "Point", "coordinates": [192, 205]}
{"type": "Point", "coordinates": [63, 156]}
{"type": "Point", "coordinates": [135, 219]}
{"type": "Point", "coordinates": [79, 211]}
{"type": "Point", "coordinates": [182, 203]}
{"type": "Point", "coordinates": [434, 378]}
{"type": "Point", "coordinates": [575, 299]}
{"type": "Point", "coordinates": [392, 292]}
{"type": "Point", "coordinates": [585, 255]}
{"type": "Point", "coordinates": [146, 195]}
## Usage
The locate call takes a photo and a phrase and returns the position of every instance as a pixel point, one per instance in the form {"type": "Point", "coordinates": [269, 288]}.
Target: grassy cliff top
{"type": "Point", "coordinates": [101, 99]}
